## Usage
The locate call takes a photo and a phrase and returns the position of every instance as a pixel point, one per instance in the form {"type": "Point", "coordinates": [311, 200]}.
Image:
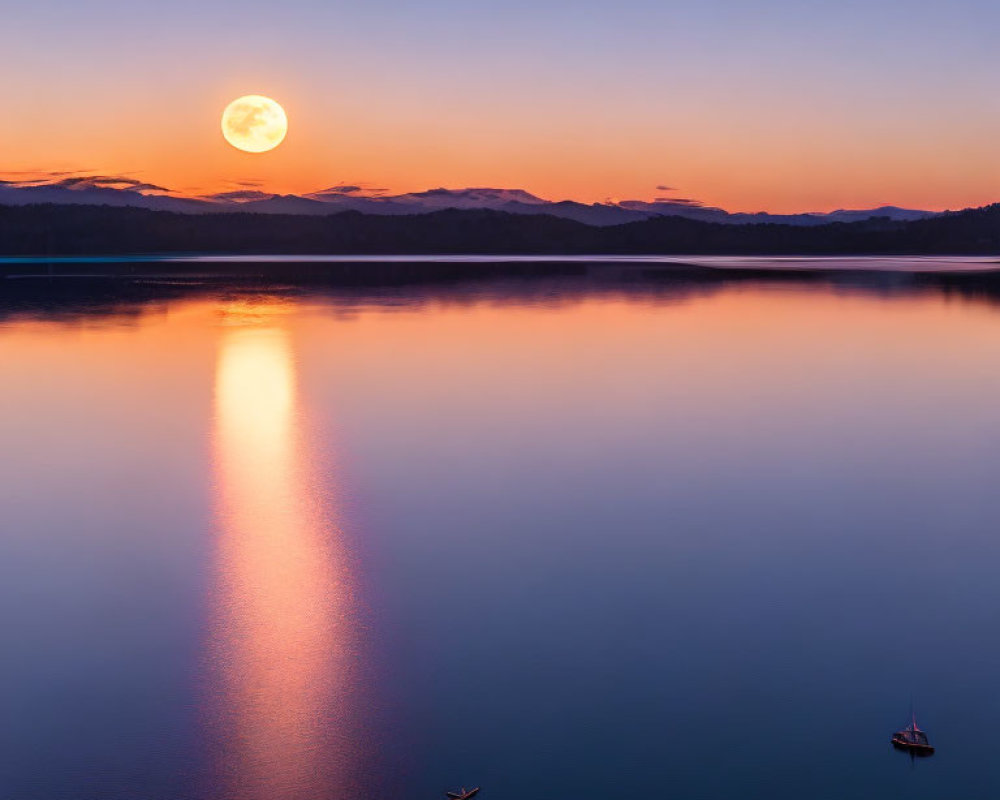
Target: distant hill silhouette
{"type": "Point", "coordinates": [128, 192]}
{"type": "Point", "coordinates": [106, 230]}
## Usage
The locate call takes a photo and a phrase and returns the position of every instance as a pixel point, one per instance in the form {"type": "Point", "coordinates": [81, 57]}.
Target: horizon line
{"type": "Point", "coordinates": [248, 192]}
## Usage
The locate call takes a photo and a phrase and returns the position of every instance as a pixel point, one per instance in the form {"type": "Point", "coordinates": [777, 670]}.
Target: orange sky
{"type": "Point", "coordinates": [779, 109]}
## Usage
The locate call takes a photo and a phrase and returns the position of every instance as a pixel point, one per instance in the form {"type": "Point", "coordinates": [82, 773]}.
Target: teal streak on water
{"type": "Point", "coordinates": [833, 263]}
{"type": "Point", "coordinates": [693, 539]}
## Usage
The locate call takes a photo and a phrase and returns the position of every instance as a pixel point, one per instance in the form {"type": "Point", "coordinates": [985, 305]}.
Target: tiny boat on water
{"type": "Point", "coordinates": [465, 794]}
{"type": "Point", "coordinates": [912, 739]}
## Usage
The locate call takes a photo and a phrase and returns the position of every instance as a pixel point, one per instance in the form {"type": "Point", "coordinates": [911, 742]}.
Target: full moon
{"type": "Point", "coordinates": [254, 123]}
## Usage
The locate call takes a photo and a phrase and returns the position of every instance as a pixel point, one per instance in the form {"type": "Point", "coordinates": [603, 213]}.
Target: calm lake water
{"type": "Point", "coordinates": [692, 539]}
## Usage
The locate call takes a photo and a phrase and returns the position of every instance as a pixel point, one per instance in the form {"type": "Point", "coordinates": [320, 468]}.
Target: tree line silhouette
{"type": "Point", "coordinates": [41, 230]}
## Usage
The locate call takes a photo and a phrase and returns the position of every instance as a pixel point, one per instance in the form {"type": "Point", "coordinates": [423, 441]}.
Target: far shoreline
{"type": "Point", "coordinates": [188, 266]}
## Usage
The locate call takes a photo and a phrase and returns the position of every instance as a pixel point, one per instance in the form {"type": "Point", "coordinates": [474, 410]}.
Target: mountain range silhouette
{"type": "Point", "coordinates": [128, 192]}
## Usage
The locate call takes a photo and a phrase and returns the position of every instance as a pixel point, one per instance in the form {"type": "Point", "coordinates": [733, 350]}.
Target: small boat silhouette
{"type": "Point", "coordinates": [912, 739]}
{"type": "Point", "coordinates": [465, 794]}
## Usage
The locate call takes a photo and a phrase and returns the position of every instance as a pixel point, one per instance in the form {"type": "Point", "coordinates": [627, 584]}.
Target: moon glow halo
{"type": "Point", "coordinates": [254, 123]}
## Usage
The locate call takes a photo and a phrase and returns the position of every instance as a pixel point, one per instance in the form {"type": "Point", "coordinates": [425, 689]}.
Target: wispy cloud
{"type": "Point", "coordinates": [680, 201]}
{"type": "Point", "coordinates": [109, 182]}
{"type": "Point", "coordinates": [35, 175]}
{"type": "Point", "coordinates": [353, 190]}
{"type": "Point", "coordinates": [74, 179]}
{"type": "Point", "coordinates": [676, 201]}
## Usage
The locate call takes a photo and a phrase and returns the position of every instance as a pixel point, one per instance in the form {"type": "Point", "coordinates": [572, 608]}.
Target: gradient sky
{"type": "Point", "coordinates": [776, 105]}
